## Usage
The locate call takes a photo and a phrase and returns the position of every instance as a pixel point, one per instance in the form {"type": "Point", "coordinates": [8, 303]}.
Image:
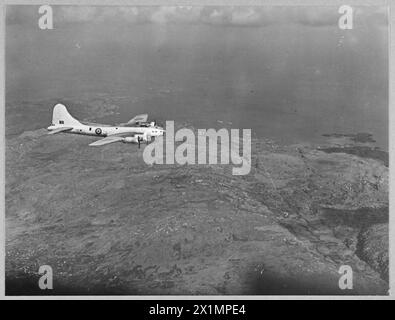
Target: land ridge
{"type": "Point", "coordinates": [108, 223]}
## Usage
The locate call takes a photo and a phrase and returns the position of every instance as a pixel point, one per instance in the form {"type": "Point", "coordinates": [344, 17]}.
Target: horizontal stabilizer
{"type": "Point", "coordinates": [60, 130]}
{"type": "Point", "coordinates": [106, 140]}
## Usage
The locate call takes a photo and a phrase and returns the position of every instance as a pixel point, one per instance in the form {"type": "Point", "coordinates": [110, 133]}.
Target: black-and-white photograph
{"type": "Point", "coordinates": [196, 150]}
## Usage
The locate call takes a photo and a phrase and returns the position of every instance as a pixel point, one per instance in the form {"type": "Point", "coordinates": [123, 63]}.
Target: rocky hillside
{"type": "Point", "coordinates": [108, 223]}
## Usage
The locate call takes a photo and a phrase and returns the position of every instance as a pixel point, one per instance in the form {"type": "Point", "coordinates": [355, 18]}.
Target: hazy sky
{"type": "Point", "coordinates": [225, 15]}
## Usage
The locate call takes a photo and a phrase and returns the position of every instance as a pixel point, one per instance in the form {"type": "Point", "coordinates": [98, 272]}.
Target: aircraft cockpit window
{"type": "Point", "coordinates": [61, 122]}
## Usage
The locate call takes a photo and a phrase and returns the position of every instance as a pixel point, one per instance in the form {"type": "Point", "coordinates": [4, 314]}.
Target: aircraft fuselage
{"type": "Point", "coordinates": [104, 130]}
{"type": "Point", "coordinates": [63, 121]}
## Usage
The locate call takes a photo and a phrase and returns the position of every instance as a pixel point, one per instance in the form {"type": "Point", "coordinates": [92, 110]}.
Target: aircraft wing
{"type": "Point", "coordinates": [106, 140]}
{"type": "Point", "coordinates": [60, 130]}
{"type": "Point", "coordinates": [138, 118]}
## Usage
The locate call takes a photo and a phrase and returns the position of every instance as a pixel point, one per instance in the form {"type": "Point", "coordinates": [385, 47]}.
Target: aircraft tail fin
{"type": "Point", "coordinates": [60, 116]}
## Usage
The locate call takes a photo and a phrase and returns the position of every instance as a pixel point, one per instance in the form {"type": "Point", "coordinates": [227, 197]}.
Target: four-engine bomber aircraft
{"type": "Point", "coordinates": [135, 130]}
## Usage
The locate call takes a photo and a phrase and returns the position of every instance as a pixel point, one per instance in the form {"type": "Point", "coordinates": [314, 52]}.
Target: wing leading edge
{"type": "Point", "coordinates": [106, 140]}
{"type": "Point", "coordinates": [113, 138]}
{"type": "Point", "coordinates": [136, 119]}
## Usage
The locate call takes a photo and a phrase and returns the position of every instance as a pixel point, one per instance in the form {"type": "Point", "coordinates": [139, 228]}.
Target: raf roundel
{"type": "Point", "coordinates": [98, 131]}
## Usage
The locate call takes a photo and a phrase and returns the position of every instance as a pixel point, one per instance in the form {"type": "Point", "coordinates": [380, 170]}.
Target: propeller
{"type": "Point", "coordinates": [147, 137]}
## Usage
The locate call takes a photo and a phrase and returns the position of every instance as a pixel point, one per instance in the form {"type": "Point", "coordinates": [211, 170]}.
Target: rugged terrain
{"type": "Point", "coordinates": [108, 223]}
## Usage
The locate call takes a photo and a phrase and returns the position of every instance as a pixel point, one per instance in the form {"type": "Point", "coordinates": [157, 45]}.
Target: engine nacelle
{"type": "Point", "coordinates": [130, 139]}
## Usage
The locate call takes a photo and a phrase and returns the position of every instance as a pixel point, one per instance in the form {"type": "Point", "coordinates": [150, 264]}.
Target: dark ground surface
{"type": "Point", "coordinates": [108, 223]}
